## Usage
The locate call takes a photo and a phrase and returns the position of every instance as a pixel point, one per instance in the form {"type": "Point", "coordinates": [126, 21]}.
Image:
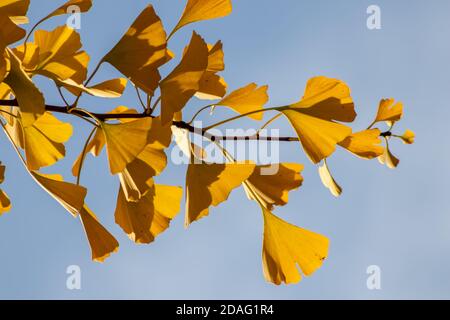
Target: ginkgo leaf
{"type": "Point", "coordinates": [365, 144]}
{"type": "Point", "coordinates": [211, 87]}
{"type": "Point", "coordinates": [271, 184]}
{"type": "Point", "coordinates": [388, 159]}
{"type": "Point", "coordinates": [144, 220]}
{"type": "Point", "coordinates": [44, 141]}
{"type": "Point", "coordinates": [198, 10]}
{"type": "Point", "coordinates": [70, 196]}
{"type": "Point", "coordinates": [408, 137]}
{"type": "Point", "coordinates": [108, 89]}
{"type": "Point", "coordinates": [247, 99]}
{"type": "Point", "coordinates": [210, 184]}
{"type": "Point", "coordinates": [184, 81]}
{"type": "Point", "coordinates": [136, 178]}
{"type": "Point", "coordinates": [125, 141]}
{"type": "Point", "coordinates": [30, 57]}
{"type": "Point", "coordinates": [5, 203]}
{"type": "Point", "coordinates": [286, 246]}
{"type": "Point", "coordinates": [141, 51]}
{"type": "Point", "coordinates": [30, 99]}
{"type": "Point", "coordinates": [216, 58]}
{"type": "Point", "coordinates": [60, 57]}
{"type": "Point", "coordinates": [81, 5]}
{"type": "Point", "coordinates": [102, 243]}
{"type": "Point", "coordinates": [328, 180]}
{"type": "Point", "coordinates": [324, 100]}
{"type": "Point", "coordinates": [14, 7]}
{"type": "Point", "coordinates": [389, 111]}
{"type": "Point", "coordinates": [95, 147]}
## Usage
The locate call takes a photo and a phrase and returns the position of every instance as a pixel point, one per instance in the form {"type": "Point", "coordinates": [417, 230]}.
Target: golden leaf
{"type": "Point", "coordinates": [82, 6]}
{"type": "Point", "coordinates": [364, 144]}
{"type": "Point", "coordinates": [136, 178]}
{"type": "Point", "coordinates": [388, 159]}
{"type": "Point", "coordinates": [389, 111]}
{"type": "Point", "coordinates": [44, 141]}
{"type": "Point", "coordinates": [141, 51]}
{"type": "Point", "coordinates": [285, 246]}
{"type": "Point", "coordinates": [125, 141]}
{"type": "Point", "coordinates": [14, 8]}
{"type": "Point", "coordinates": [210, 184]}
{"type": "Point", "coordinates": [328, 180]}
{"type": "Point", "coordinates": [108, 89]}
{"type": "Point", "coordinates": [30, 99]}
{"type": "Point", "coordinates": [59, 55]}
{"type": "Point", "coordinates": [5, 203]}
{"type": "Point", "coordinates": [70, 196]}
{"type": "Point", "coordinates": [198, 10]}
{"type": "Point", "coordinates": [272, 183]}
{"type": "Point", "coordinates": [247, 99]}
{"type": "Point", "coordinates": [184, 81]}
{"type": "Point", "coordinates": [408, 137]}
{"type": "Point", "coordinates": [102, 243]}
{"type": "Point", "coordinates": [144, 220]}
{"type": "Point", "coordinates": [325, 100]}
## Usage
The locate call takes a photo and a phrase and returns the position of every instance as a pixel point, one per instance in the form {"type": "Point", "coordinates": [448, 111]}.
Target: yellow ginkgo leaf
{"type": "Point", "coordinates": [108, 89]}
{"type": "Point", "coordinates": [210, 184]}
{"type": "Point", "coordinates": [388, 159]}
{"type": "Point", "coordinates": [70, 196]}
{"type": "Point", "coordinates": [44, 141]}
{"type": "Point", "coordinates": [80, 5]}
{"type": "Point", "coordinates": [59, 55]}
{"type": "Point", "coordinates": [136, 178]}
{"type": "Point", "coordinates": [102, 243]}
{"type": "Point", "coordinates": [211, 87]}
{"type": "Point", "coordinates": [184, 81]}
{"type": "Point", "coordinates": [389, 111]}
{"type": "Point", "coordinates": [125, 141]}
{"type": "Point", "coordinates": [324, 100]}
{"type": "Point", "coordinates": [141, 51]}
{"type": "Point", "coordinates": [328, 180]}
{"type": "Point", "coordinates": [5, 202]}
{"type": "Point", "coordinates": [14, 8]}
{"type": "Point", "coordinates": [287, 247]}
{"type": "Point", "coordinates": [365, 144]}
{"type": "Point", "coordinates": [271, 184]}
{"type": "Point", "coordinates": [30, 99]}
{"type": "Point", "coordinates": [247, 99]}
{"type": "Point", "coordinates": [198, 10]}
{"type": "Point", "coordinates": [95, 147]}
{"type": "Point", "coordinates": [144, 220]}
{"type": "Point", "coordinates": [408, 137]}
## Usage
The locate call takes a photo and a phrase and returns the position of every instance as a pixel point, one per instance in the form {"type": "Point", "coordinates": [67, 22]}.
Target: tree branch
{"type": "Point", "coordinates": [179, 124]}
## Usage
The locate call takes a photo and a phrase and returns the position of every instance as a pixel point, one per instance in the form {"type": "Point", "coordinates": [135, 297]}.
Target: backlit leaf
{"type": "Point", "coordinates": [328, 180]}
{"type": "Point", "coordinates": [184, 81]}
{"type": "Point", "coordinates": [102, 243]}
{"type": "Point", "coordinates": [287, 247]}
{"type": "Point", "coordinates": [141, 51]}
{"type": "Point", "coordinates": [198, 10]}
{"type": "Point", "coordinates": [365, 144]}
{"type": "Point", "coordinates": [272, 183]}
{"type": "Point", "coordinates": [210, 184]}
{"type": "Point", "coordinates": [144, 220]}
{"type": "Point", "coordinates": [246, 99]}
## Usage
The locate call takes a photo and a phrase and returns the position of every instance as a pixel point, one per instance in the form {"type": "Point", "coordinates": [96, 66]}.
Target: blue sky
{"type": "Point", "coordinates": [398, 220]}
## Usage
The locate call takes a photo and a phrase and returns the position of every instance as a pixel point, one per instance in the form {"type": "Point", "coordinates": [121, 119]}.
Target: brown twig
{"type": "Point", "coordinates": [179, 124]}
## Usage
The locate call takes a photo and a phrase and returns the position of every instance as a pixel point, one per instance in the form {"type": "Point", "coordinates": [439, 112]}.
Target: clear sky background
{"type": "Point", "coordinates": [398, 220]}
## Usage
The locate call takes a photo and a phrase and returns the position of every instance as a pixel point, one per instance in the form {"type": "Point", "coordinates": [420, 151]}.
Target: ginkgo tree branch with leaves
{"type": "Point", "coordinates": [136, 142]}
